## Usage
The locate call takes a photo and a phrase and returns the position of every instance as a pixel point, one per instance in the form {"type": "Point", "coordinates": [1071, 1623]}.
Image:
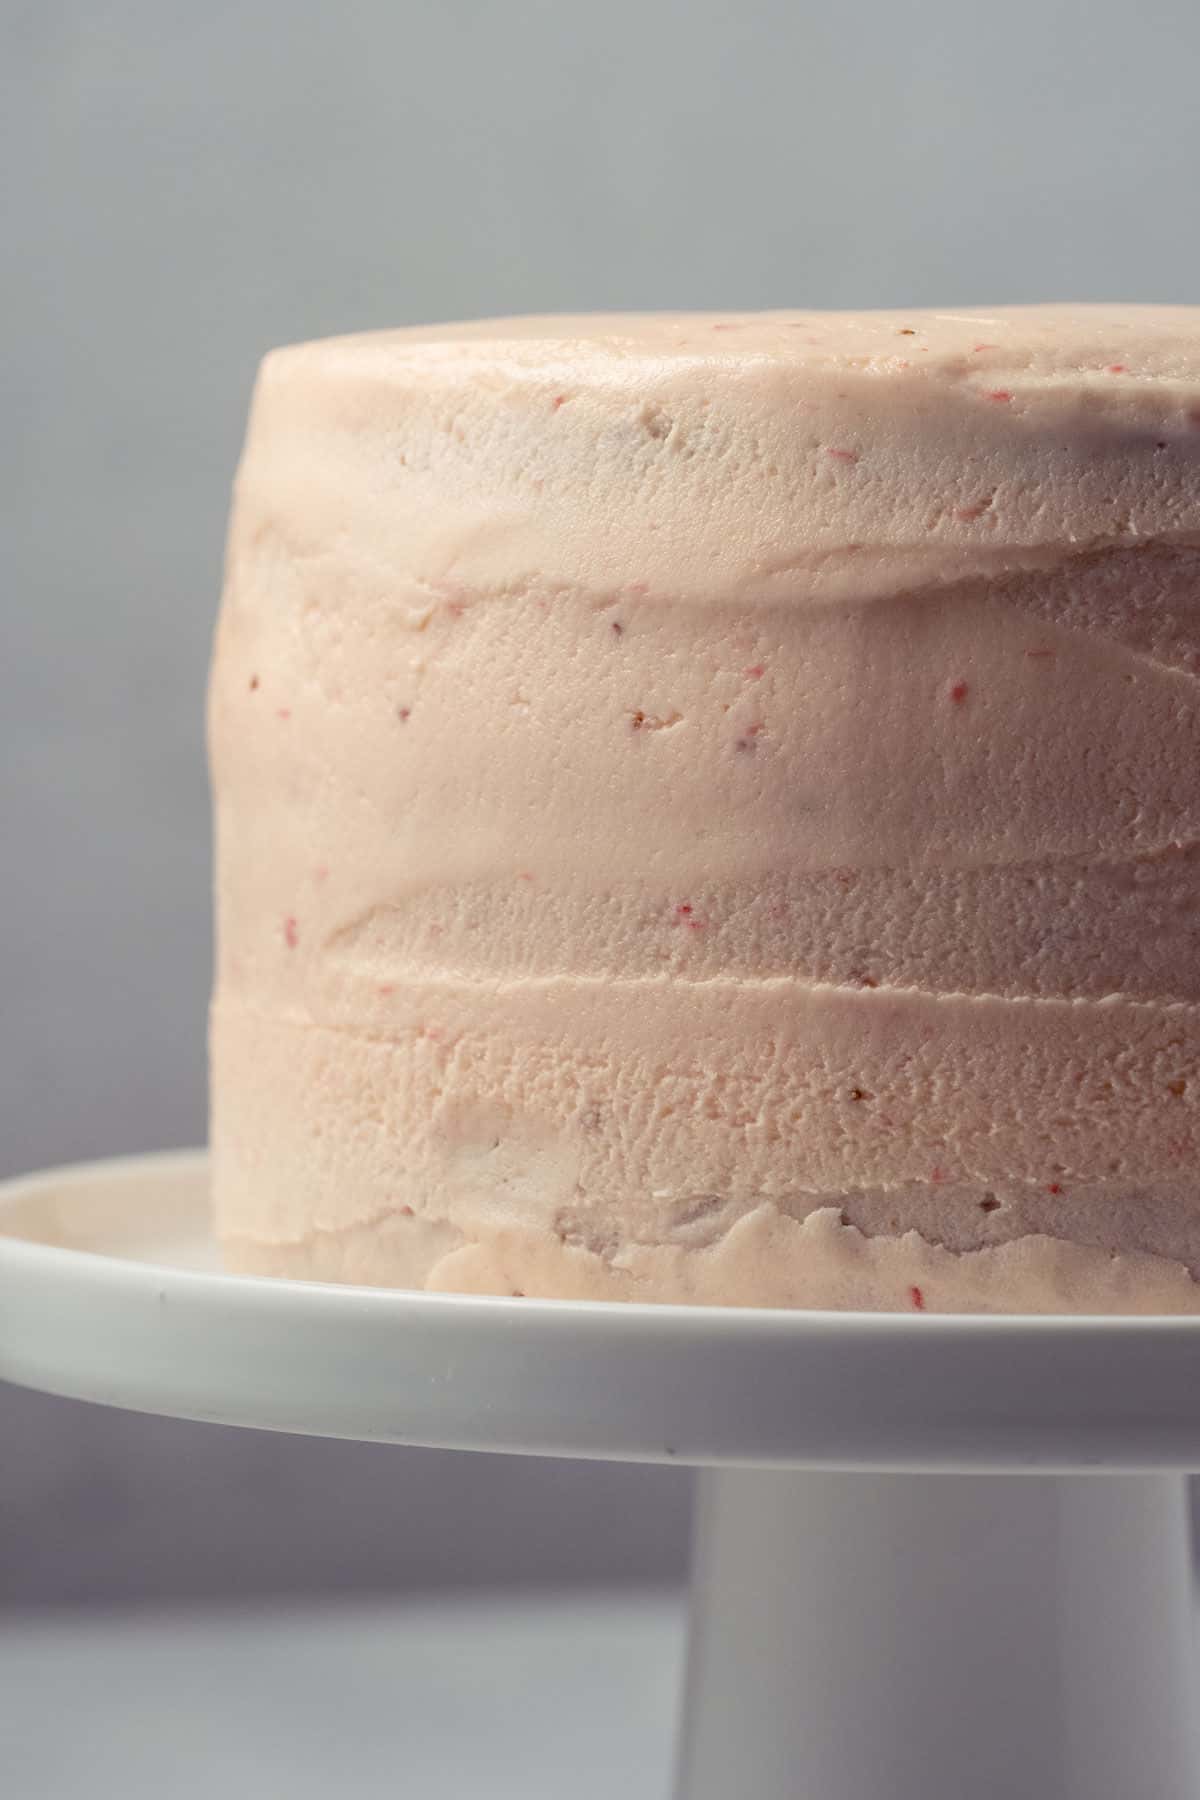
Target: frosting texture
{"type": "Point", "coordinates": [708, 808]}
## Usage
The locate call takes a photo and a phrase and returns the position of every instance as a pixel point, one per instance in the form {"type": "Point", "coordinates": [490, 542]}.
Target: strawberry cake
{"type": "Point", "coordinates": [708, 810]}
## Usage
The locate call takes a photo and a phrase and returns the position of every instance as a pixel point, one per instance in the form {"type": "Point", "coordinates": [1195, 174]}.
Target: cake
{"type": "Point", "coordinates": [708, 810]}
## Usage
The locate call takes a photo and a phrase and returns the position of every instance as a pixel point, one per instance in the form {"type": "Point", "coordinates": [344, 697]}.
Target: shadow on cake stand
{"type": "Point", "coordinates": [936, 1556]}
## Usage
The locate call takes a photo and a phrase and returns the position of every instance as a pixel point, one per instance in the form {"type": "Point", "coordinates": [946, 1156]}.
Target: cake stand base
{"type": "Point", "coordinates": [940, 1637]}
{"type": "Point", "coordinates": [995, 1604]}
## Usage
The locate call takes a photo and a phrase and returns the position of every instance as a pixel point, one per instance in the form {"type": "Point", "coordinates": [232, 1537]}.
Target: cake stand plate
{"type": "Point", "coordinates": [937, 1557]}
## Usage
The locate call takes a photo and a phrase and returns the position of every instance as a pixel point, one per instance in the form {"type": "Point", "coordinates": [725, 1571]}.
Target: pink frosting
{"type": "Point", "coordinates": [708, 809]}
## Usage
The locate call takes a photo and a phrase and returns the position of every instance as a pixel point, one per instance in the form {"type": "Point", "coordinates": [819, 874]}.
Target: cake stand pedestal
{"type": "Point", "coordinates": [938, 1558]}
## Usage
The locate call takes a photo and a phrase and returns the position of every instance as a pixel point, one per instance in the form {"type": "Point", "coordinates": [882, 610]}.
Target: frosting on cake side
{"type": "Point", "coordinates": [707, 808]}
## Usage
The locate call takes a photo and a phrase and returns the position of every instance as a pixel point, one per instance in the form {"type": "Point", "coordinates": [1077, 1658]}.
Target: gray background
{"type": "Point", "coordinates": [186, 185]}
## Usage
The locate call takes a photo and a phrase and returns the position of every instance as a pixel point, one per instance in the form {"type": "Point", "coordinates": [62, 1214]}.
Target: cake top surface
{"type": "Point", "coordinates": [1053, 341]}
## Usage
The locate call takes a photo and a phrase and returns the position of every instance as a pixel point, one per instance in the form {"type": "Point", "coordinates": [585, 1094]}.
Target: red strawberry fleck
{"type": "Point", "coordinates": [845, 456]}
{"type": "Point", "coordinates": [755, 672]}
{"type": "Point", "coordinates": [291, 934]}
{"type": "Point", "coordinates": [959, 692]}
{"type": "Point", "coordinates": [558, 400]}
{"type": "Point", "coordinates": [1054, 1187]}
{"type": "Point", "coordinates": [387, 987]}
{"type": "Point", "coordinates": [981, 347]}
{"type": "Point", "coordinates": [284, 712]}
{"type": "Point", "coordinates": [937, 1173]}
{"type": "Point", "coordinates": [404, 714]}
{"type": "Point", "coordinates": [1039, 653]}
{"type": "Point", "coordinates": [1116, 369]}
{"type": "Point", "coordinates": [1002, 395]}
{"type": "Point", "coordinates": [684, 910]}
{"type": "Point", "coordinates": [917, 1298]}
{"type": "Point", "coordinates": [617, 626]}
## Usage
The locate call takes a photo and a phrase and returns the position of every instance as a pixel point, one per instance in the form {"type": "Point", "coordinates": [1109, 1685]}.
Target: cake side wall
{"type": "Point", "coordinates": [567, 919]}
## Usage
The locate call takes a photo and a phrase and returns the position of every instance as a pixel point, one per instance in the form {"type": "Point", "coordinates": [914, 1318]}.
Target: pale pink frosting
{"type": "Point", "coordinates": [709, 808]}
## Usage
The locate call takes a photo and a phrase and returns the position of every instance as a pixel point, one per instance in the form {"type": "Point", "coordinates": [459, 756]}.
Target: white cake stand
{"type": "Point", "coordinates": [938, 1558]}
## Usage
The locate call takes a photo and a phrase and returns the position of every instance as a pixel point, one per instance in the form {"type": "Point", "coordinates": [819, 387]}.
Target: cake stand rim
{"type": "Point", "coordinates": [714, 1386]}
